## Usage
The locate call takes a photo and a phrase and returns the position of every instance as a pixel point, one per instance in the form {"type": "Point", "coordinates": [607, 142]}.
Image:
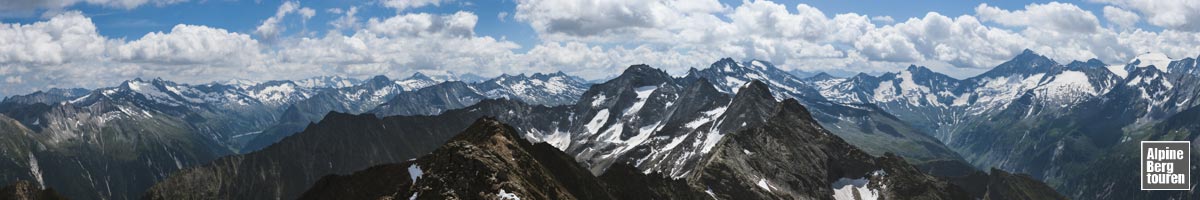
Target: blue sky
{"type": "Point", "coordinates": [75, 43]}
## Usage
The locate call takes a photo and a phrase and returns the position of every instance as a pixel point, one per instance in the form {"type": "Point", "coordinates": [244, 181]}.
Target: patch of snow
{"type": "Point", "coordinates": [643, 94]}
{"type": "Point", "coordinates": [845, 189]}
{"type": "Point", "coordinates": [275, 93]}
{"type": "Point", "coordinates": [558, 139]}
{"type": "Point", "coordinates": [762, 183]}
{"type": "Point", "coordinates": [414, 84]}
{"type": "Point", "coordinates": [414, 172]}
{"type": "Point", "coordinates": [149, 91]}
{"type": "Point", "coordinates": [1118, 70]}
{"type": "Point", "coordinates": [734, 83]}
{"type": "Point", "coordinates": [36, 170]}
{"type": "Point", "coordinates": [507, 196]}
{"type": "Point", "coordinates": [885, 92]}
{"type": "Point", "coordinates": [1069, 86]}
{"type": "Point", "coordinates": [705, 117]}
{"type": "Point", "coordinates": [962, 99]}
{"type": "Point", "coordinates": [1158, 60]}
{"type": "Point", "coordinates": [593, 126]}
{"type": "Point", "coordinates": [600, 99]}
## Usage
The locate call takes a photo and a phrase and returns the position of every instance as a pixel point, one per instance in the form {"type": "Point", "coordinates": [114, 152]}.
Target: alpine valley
{"type": "Point", "coordinates": [1030, 128]}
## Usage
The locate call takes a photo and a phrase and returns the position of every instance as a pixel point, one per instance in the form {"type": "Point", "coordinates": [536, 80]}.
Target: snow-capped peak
{"type": "Point", "coordinates": [1118, 70]}
{"type": "Point", "coordinates": [1158, 60]}
{"type": "Point", "coordinates": [327, 82]}
{"type": "Point", "coordinates": [416, 81]}
{"type": "Point", "coordinates": [241, 83]}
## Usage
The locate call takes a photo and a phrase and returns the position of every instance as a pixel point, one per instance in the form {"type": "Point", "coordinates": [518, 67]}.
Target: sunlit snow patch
{"type": "Point", "coordinates": [505, 195]}
{"type": "Point", "coordinates": [414, 172]}
{"type": "Point", "coordinates": [846, 188]}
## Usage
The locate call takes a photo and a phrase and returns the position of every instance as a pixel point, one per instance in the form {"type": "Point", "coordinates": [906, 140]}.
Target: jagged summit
{"type": "Point", "coordinates": [756, 88]}
{"type": "Point", "coordinates": [643, 70]}
{"type": "Point", "coordinates": [1025, 64]}
{"type": "Point", "coordinates": [1158, 60]}
{"type": "Point", "coordinates": [419, 76]}
{"type": "Point", "coordinates": [1090, 63]}
{"type": "Point", "coordinates": [821, 76]}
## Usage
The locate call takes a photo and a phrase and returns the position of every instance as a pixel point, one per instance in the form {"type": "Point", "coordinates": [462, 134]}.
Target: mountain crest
{"type": "Point", "coordinates": [1025, 64]}
{"type": "Point", "coordinates": [419, 76]}
{"type": "Point", "coordinates": [1091, 63]}
{"type": "Point", "coordinates": [643, 75]}
{"type": "Point", "coordinates": [821, 76]}
{"type": "Point", "coordinates": [487, 130]}
{"type": "Point", "coordinates": [791, 110]}
{"type": "Point", "coordinates": [756, 88]}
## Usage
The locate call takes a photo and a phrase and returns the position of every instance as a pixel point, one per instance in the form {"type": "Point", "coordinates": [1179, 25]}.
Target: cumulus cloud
{"type": "Point", "coordinates": [1122, 18]}
{"type": "Point", "coordinates": [605, 20]}
{"type": "Point", "coordinates": [1053, 15]}
{"type": "Point", "coordinates": [27, 7]}
{"type": "Point", "coordinates": [271, 27]}
{"type": "Point", "coordinates": [67, 37]}
{"type": "Point", "coordinates": [1181, 15]}
{"type": "Point", "coordinates": [347, 21]}
{"type": "Point", "coordinates": [460, 24]}
{"type": "Point", "coordinates": [401, 44]}
{"type": "Point", "coordinates": [961, 41]}
{"type": "Point", "coordinates": [592, 39]}
{"type": "Point", "coordinates": [190, 44]}
{"type": "Point", "coordinates": [401, 5]}
{"type": "Point", "coordinates": [883, 19]}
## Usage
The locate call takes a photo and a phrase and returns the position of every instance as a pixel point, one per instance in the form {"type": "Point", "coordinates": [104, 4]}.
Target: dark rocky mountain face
{"type": "Point", "coordinates": [792, 157]}
{"type": "Point", "coordinates": [430, 100]}
{"type": "Point", "coordinates": [421, 95]}
{"type": "Point", "coordinates": [1003, 185]}
{"type": "Point", "coordinates": [338, 144]}
{"type": "Point", "coordinates": [115, 142]}
{"type": "Point", "coordinates": [541, 89]}
{"type": "Point", "coordinates": [1053, 122]}
{"type": "Point", "coordinates": [1107, 175]}
{"type": "Point", "coordinates": [789, 156]}
{"type": "Point", "coordinates": [1025, 64]}
{"type": "Point", "coordinates": [49, 97]}
{"type": "Point", "coordinates": [643, 118]}
{"type": "Point", "coordinates": [490, 160]}
{"type": "Point", "coordinates": [862, 123]}
{"type": "Point", "coordinates": [355, 99]}
{"type": "Point", "coordinates": [25, 190]}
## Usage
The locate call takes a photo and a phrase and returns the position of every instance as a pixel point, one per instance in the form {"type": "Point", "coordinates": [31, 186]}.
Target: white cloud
{"type": "Point", "coordinates": [28, 7]}
{"type": "Point", "coordinates": [347, 21]}
{"type": "Point", "coordinates": [1181, 15]}
{"type": "Point", "coordinates": [1053, 15]}
{"type": "Point", "coordinates": [461, 23]}
{"type": "Point", "coordinates": [962, 41]}
{"type": "Point", "coordinates": [593, 39]}
{"type": "Point", "coordinates": [1120, 17]}
{"type": "Point", "coordinates": [606, 20]}
{"type": "Point", "coordinates": [401, 5]}
{"type": "Point", "coordinates": [189, 44]}
{"type": "Point", "coordinates": [307, 13]}
{"type": "Point", "coordinates": [883, 19]}
{"type": "Point", "coordinates": [61, 39]}
{"type": "Point", "coordinates": [399, 45]}
{"type": "Point", "coordinates": [271, 27]}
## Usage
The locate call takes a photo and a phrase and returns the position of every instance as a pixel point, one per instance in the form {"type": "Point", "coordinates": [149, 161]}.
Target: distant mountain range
{"type": "Point", "coordinates": [733, 129]}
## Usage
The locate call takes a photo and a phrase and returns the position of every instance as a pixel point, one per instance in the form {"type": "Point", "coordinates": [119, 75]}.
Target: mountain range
{"type": "Point", "coordinates": [731, 130]}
